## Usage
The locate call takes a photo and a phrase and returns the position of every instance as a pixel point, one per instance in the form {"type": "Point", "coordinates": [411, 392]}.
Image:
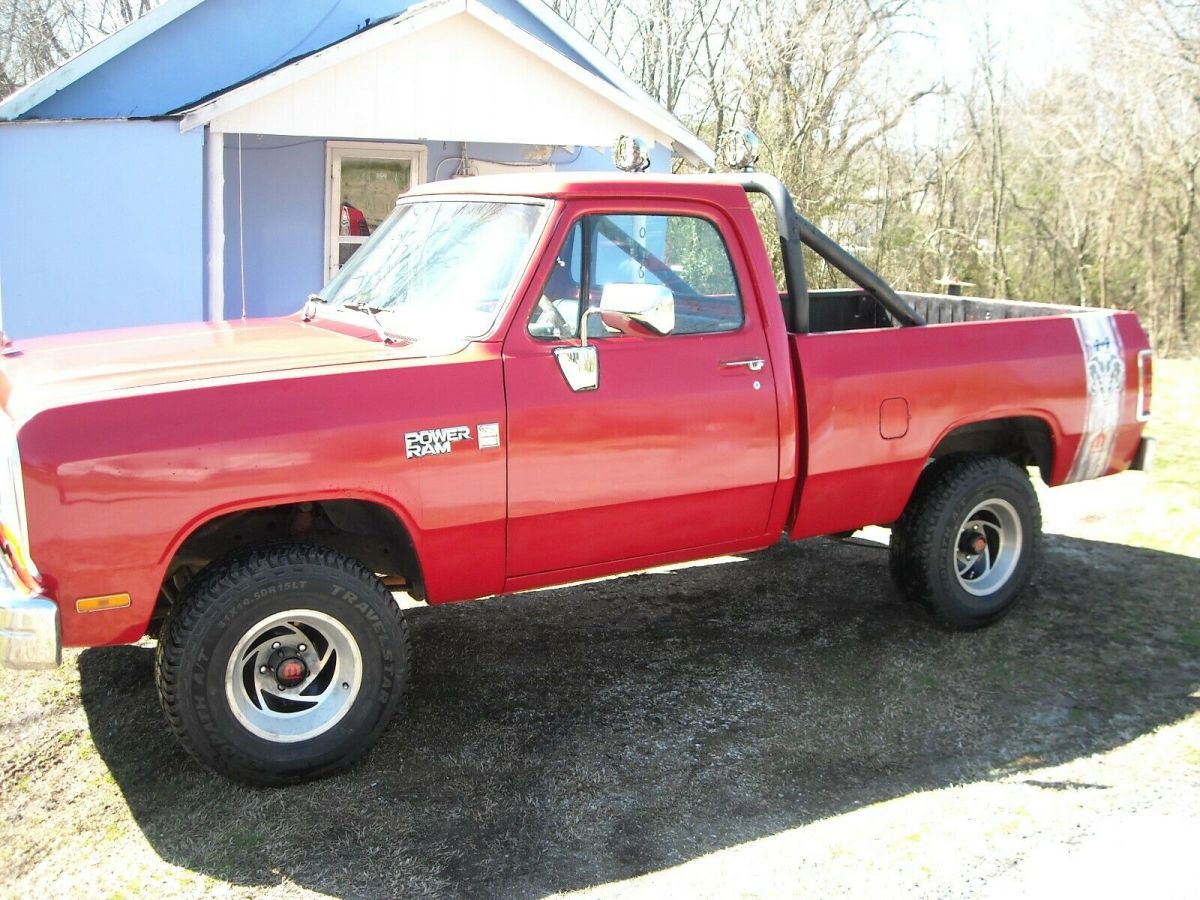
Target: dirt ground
{"type": "Point", "coordinates": [781, 725]}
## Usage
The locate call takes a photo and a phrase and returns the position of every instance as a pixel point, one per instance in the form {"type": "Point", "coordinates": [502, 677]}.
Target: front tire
{"type": "Point", "coordinates": [282, 664]}
{"type": "Point", "coordinates": [966, 545]}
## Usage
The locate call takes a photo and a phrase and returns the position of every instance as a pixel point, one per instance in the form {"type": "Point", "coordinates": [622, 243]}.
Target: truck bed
{"type": "Point", "coordinates": [851, 310]}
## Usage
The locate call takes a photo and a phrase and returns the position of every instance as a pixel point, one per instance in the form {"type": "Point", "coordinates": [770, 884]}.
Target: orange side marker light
{"type": "Point", "coordinates": [99, 604]}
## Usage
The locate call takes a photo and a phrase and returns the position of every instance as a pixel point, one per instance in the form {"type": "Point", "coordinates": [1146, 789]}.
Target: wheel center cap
{"type": "Point", "coordinates": [291, 671]}
{"type": "Point", "coordinates": [972, 544]}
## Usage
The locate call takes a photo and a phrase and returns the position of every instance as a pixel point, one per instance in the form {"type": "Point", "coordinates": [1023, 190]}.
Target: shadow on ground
{"type": "Point", "coordinates": [578, 736]}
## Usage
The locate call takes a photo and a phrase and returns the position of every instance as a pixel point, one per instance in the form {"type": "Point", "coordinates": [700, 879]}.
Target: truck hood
{"type": "Point", "coordinates": [44, 372]}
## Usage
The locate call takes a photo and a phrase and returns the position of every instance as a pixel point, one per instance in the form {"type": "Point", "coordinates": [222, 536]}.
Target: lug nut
{"type": "Point", "coordinates": [302, 648]}
{"type": "Point", "coordinates": [276, 645]}
{"type": "Point", "coordinates": [262, 669]}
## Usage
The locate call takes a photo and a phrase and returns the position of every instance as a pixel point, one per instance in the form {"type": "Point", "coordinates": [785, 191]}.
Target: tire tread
{"type": "Point", "coordinates": [914, 558]}
{"type": "Point", "coordinates": [196, 603]}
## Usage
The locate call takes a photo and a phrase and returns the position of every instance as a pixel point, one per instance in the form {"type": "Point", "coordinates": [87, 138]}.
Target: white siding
{"type": "Point", "coordinates": [458, 77]}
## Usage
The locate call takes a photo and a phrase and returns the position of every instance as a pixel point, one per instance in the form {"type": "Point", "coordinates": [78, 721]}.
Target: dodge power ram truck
{"type": "Point", "coordinates": [518, 382]}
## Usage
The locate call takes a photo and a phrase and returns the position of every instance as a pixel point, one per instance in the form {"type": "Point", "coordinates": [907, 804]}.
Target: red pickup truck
{"type": "Point", "coordinates": [520, 382]}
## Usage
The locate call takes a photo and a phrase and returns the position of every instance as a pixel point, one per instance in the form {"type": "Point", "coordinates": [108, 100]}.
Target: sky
{"type": "Point", "coordinates": [1036, 36]}
{"type": "Point", "coordinates": [1033, 37]}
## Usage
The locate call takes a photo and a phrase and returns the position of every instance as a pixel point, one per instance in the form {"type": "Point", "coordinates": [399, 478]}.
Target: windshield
{"type": "Point", "coordinates": [440, 267]}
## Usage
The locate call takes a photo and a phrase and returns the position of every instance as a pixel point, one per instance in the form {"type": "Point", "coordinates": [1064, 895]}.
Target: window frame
{"type": "Point", "coordinates": [337, 151]}
{"type": "Point", "coordinates": [588, 235]}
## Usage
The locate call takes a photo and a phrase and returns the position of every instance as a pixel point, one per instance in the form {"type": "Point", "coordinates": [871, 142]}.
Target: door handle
{"type": "Point", "coordinates": [754, 365]}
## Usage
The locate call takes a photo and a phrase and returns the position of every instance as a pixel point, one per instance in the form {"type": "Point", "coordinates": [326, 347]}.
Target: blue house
{"type": "Point", "coordinates": [220, 158]}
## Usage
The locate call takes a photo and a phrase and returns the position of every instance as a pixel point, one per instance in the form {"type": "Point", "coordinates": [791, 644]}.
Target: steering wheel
{"type": "Point", "coordinates": [557, 320]}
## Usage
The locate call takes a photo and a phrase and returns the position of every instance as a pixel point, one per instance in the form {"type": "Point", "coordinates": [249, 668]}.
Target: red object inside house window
{"type": "Point", "coordinates": [354, 223]}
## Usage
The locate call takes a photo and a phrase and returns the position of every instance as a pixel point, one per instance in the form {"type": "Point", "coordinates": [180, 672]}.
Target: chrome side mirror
{"type": "Point", "coordinates": [638, 308]}
{"type": "Point", "coordinates": [627, 308]}
{"type": "Point", "coordinates": [580, 366]}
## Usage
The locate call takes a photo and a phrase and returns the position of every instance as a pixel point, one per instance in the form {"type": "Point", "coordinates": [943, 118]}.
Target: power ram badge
{"type": "Point", "coordinates": [434, 441]}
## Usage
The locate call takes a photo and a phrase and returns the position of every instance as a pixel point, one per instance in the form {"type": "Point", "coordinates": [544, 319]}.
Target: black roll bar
{"type": "Point", "coordinates": [795, 230]}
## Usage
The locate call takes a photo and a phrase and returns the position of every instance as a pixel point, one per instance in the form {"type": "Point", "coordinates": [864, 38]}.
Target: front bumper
{"type": "Point", "coordinates": [30, 637]}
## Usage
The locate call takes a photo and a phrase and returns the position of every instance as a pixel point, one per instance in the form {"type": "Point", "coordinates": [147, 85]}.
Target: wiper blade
{"type": "Point", "coordinates": [310, 306]}
{"type": "Point", "coordinates": [373, 314]}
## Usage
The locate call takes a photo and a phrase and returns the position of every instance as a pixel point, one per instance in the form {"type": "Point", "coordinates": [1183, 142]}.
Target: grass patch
{"type": "Point", "coordinates": [1175, 488]}
{"type": "Point", "coordinates": [1190, 637]}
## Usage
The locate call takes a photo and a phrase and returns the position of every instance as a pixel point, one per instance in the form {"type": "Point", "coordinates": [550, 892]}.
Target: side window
{"type": "Point", "coordinates": [684, 254]}
{"type": "Point", "coordinates": [556, 314]}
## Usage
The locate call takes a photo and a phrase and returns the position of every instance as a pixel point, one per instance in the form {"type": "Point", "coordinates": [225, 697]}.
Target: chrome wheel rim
{"type": "Point", "coordinates": [293, 676]}
{"type": "Point", "coordinates": [988, 547]}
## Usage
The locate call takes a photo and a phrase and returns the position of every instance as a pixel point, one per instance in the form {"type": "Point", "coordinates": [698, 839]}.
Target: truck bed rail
{"type": "Point", "coordinates": [939, 309]}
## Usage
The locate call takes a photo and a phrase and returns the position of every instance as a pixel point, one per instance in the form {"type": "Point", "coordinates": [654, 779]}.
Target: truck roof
{"type": "Point", "coordinates": [714, 188]}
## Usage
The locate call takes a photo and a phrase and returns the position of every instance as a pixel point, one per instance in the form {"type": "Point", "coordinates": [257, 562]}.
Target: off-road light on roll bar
{"type": "Point", "coordinates": [737, 149]}
{"type": "Point", "coordinates": [631, 154]}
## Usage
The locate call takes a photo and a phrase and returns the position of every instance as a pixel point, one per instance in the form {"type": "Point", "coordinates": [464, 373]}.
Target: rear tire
{"type": "Point", "coordinates": [967, 543]}
{"type": "Point", "coordinates": [282, 664]}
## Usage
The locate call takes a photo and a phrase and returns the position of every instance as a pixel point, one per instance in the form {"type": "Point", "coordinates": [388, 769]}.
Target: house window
{"type": "Point", "coordinates": [363, 182]}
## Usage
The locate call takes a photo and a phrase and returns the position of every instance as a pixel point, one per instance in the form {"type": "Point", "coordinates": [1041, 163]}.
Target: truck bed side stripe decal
{"type": "Point", "coordinates": [1104, 363]}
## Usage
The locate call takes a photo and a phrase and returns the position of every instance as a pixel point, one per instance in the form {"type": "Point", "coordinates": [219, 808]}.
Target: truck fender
{"type": "Point", "coordinates": [1028, 436]}
{"type": "Point", "coordinates": [396, 524]}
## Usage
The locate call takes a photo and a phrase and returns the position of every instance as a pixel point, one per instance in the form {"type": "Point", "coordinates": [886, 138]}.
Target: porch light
{"type": "Point", "coordinates": [631, 154]}
{"type": "Point", "coordinates": [737, 148]}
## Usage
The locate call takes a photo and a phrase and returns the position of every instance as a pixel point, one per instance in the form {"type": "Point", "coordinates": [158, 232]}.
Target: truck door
{"type": "Point", "coordinates": [677, 446]}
